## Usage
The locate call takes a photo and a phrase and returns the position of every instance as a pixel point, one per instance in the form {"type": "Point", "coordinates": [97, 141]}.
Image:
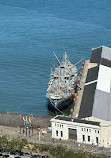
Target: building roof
{"type": "Point", "coordinates": [96, 55]}
{"type": "Point", "coordinates": [106, 53]}
{"type": "Point", "coordinates": [92, 74]}
{"type": "Point", "coordinates": [65, 118]}
{"type": "Point", "coordinates": [87, 101]}
{"type": "Point", "coordinates": [96, 100]}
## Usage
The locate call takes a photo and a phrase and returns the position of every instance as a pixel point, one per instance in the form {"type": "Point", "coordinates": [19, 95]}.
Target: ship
{"type": "Point", "coordinates": [62, 83]}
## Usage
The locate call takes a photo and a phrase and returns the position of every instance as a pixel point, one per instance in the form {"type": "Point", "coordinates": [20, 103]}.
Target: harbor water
{"type": "Point", "coordinates": [30, 30]}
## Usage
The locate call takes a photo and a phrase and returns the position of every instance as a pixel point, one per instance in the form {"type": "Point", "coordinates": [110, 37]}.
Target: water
{"type": "Point", "coordinates": [30, 30]}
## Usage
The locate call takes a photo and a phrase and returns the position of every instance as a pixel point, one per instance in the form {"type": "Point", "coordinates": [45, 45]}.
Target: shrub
{"type": "Point", "coordinates": [44, 147]}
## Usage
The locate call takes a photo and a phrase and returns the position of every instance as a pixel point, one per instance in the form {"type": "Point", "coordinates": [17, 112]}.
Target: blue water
{"type": "Point", "coordinates": [30, 30]}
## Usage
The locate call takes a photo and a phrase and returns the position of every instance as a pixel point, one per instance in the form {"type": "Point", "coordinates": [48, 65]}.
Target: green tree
{"type": "Point", "coordinates": [43, 147]}
{"type": "Point", "coordinates": [11, 145]}
{"type": "Point", "coordinates": [15, 144]}
{"type": "Point", "coordinates": [3, 141]}
{"type": "Point", "coordinates": [69, 154]}
{"type": "Point", "coordinates": [58, 151]}
{"type": "Point", "coordinates": [20, 145]}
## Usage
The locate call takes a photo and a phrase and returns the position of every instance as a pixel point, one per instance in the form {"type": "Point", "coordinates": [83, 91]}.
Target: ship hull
{"type": "Point", "coordinates": [61, 104]}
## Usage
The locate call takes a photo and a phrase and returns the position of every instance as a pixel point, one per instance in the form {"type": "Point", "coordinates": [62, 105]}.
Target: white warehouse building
{"type": "Point", "coordinates": [82, 130]}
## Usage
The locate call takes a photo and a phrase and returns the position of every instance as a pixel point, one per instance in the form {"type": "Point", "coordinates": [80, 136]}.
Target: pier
{"type": "Point", "coordinates": [81, 90]}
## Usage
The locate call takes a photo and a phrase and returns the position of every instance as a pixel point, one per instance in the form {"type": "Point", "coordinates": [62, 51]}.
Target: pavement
{"type": "Point", "coordinates": [35, 135]}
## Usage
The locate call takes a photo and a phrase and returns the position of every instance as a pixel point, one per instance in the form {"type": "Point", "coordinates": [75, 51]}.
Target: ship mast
{"type": "Point", "coordinates": [58, 88]}
{"type": "Point", "coordinates": [79, 61]}
{"type": "Point", "coordinates": [57, 58]}
{"type": "Point", "coordinates": [58, 79]}
{"type": "Point", "coordinates": [64, 60]}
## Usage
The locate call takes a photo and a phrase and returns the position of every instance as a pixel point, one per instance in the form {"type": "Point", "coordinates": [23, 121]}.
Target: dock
{"type": "Point", "coordinates": [81, 90]}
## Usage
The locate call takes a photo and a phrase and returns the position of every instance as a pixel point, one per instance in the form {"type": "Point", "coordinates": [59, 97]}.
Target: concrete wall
{"type": "Point", "coordinates": [105, 136]}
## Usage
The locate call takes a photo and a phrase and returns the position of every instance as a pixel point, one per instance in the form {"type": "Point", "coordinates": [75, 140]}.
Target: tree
{"type": "Point", "coordinates": [43, 147]}
{"type": "Point", "coordinates": [15, 144]}
{"type": "Point", "coordinates": [3, 141]}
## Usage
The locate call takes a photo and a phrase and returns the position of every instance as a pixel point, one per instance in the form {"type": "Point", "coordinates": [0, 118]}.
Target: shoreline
{"type": "Point", "coordinates": [13, 119]}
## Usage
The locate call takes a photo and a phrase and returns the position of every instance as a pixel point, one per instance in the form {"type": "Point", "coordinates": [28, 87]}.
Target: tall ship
{"type": "Point", "coordinates": [61, 87]}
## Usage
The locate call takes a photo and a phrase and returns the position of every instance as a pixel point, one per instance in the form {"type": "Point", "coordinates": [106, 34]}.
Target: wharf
{"type": "Point", "coordinates": [80, 92]}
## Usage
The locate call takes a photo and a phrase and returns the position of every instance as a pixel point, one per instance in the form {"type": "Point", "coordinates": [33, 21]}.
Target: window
{"type": "Point", "coordinates": [82, 129]}
{"type": "Point", "coordinates": [98, 132]}
{"type": "Point", "coordinates": [62, 126]}
{"type": "Point", "coordinates": [95, 131]}
{"type": "Point", "coordinates": [56, 133]}
{"type": "Point", "coordinates": [87, 130]}
{"type": "Point", "coordinates": [61, 133]}
{"type": "Point", "coordinates": [97, 140]}
{"type": "Point", "coordinates": [88, 138]}
{"type": "Point", "coordinates": [55, 124]}
{"type": "Point", "coordinates": [83, 137]}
